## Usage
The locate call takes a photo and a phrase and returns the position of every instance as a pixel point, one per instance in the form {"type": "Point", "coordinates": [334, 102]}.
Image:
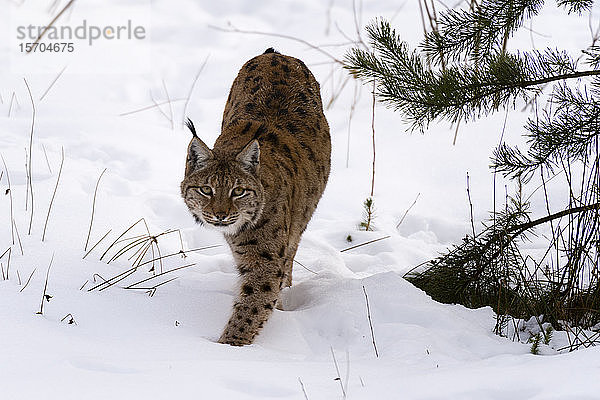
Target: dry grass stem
{"type": "Point", "coordinates": [97, 243]}
{"type": "Point", "coordinates": [7, 251]}
{"type": "Point", "coordinates": [149, 107]}
{"type": "Point", "coordinates": [303, 389]}
{"type": "Point", "coordinates": [407, 211]}
{"type": "Point", "coordinates": [93, 210]}
{"type": "Point", "coordinates": [50, 24]}
{"type": "Point", "coordinates": [30, 160]}
{"type": "Point", "coordinates": [279, 35]}
{"type": "Point", "coordinates": [120, 236]}
{"type": "Point", "coordinates": [170, 104]}
{"type": "Point", "coordinates": [189, 96]}
{"type": "Point", "coordinates": [44, 295]}
{"type": "Point", "coordinates": [62, 159]}
{"type": "Point", "coordinates": [28, 280]}
{"type": "Point", "coordinates": [46, 157]}
{"type": "Point", "coordinates": [9, 192]}
{"type": "Point", "coordinates": [157, 275]}
{"type": "Point", "coordinates": [52, 83]}
{"type": "Point", "coordinates": [18, 237]}
{"type": "Point", "coordinates": [181, 253]}
{"type": "Point", "coordinates": [337, 370]}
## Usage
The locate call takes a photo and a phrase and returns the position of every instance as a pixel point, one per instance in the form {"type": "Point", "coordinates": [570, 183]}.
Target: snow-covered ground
{"type": "Point", "coordinates": [127, 344]}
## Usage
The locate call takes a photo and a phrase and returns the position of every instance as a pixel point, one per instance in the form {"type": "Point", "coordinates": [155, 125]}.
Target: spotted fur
{"type": "Point", "coordinates": [275, 145]}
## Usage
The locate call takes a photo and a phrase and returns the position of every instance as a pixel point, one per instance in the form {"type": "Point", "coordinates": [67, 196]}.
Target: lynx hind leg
{"type": "Point", "coordinates": [258, 296]}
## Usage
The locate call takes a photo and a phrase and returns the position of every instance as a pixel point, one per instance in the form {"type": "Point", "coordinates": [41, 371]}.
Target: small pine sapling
{"type": "Point", "coordinates": [535, 341]}
{"type": "Point", "coordinates": [368, 215]}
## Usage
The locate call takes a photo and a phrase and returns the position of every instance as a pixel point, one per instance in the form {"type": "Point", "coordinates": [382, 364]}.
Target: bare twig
{"type": "Point", "coordinates": [189, 96]}
{"type": "Point", "coordinates": [364, 244]}
{"type": "Point", "coordinates": [93, 210]}
{"type": "Point", "coordinates": [62, 159]}
{"type": "Point", "coordinates": [370, 322]}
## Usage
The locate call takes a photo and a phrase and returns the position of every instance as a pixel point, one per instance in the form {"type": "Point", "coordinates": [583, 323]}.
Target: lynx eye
{"type": "Point", "coordinates": [238, 191]}
{"type": "Point", "coordinates": [206, 190]}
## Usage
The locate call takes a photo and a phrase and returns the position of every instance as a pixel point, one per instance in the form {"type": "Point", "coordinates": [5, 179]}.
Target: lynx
{"type": "Point", "coordinates": [261, 182]}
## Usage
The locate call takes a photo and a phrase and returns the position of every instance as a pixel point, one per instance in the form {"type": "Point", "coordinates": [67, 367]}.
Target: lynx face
{"type": "Point", "coordinates": [223, 192]}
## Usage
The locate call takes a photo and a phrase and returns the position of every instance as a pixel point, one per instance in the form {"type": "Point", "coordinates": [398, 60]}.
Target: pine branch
{"type": "Point", "coordinates": [459, 91]}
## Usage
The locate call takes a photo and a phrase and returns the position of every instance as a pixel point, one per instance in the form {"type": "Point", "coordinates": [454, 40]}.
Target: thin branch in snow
{"type": "Point", "coordinates": [407, 211]}
{"type": "Point", "coordinates": [305, 267]}
{"type": "Point", "coordinates": [337, 370]}
{"type": "Point", "coordinates": [365, 243]}
{"type": "Point", "coordinates": [370, 321]}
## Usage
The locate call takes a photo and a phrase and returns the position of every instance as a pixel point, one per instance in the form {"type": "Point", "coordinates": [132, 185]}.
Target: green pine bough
{"type": "Point", "coordinates": [462, 71]}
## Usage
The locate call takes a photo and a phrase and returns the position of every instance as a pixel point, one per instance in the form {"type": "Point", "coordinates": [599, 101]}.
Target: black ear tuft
{"type": "Point", "coordinates": [271, 50]}
{"type": "Point", "coordinates": [191, 127]}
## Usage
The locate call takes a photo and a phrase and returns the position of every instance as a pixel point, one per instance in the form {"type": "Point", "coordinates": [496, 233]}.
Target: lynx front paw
{"type": "Point", "coordinates": [234, 340]}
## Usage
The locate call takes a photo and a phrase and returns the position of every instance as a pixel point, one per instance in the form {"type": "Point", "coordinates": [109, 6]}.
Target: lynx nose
{"type": "Point", "coordinates": [220, 215]}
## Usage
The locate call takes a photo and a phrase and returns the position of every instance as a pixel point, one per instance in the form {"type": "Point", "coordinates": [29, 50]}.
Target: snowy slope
{"type": "Point", "coordinates": [127, 344]}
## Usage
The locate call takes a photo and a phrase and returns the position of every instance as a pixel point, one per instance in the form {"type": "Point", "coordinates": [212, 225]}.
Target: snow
{"type": "Point", "coordinates": [127, 344]}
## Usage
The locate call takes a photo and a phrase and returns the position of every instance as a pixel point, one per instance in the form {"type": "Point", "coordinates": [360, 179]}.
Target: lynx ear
{"type": "Point", "coordinates": [198, 154]}
{"type": "Point", "coordinates": [250, 155]}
